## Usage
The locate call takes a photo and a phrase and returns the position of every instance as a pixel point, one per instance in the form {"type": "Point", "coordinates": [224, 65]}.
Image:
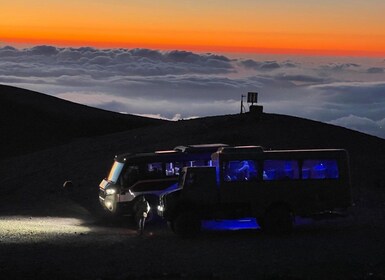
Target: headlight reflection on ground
{"type": "Point", "coordinates": [23, 229]}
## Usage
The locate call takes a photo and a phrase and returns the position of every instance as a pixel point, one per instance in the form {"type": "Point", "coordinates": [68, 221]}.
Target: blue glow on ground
{"type": "Point", "coordinates": [246, 223]}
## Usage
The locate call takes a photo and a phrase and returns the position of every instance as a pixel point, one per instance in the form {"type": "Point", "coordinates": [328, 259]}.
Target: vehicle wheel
{"type": "Point", "coordinates": [278, 220]}
{"type": "Point", "coordinates": [186, 224]}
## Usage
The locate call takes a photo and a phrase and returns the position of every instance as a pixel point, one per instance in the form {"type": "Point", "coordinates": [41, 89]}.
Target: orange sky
{"type": "Point", "coordinates": [343, 27]}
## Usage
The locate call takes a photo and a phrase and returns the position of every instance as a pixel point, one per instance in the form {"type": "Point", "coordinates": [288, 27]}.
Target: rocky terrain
{"type": "Point", "coordinates": [47, 233]}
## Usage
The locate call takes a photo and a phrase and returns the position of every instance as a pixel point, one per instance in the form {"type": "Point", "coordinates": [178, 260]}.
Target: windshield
{"type": "Point", "coordinates": [115, 171]}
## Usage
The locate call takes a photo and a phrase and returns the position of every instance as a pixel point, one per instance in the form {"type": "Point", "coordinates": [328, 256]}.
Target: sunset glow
{"type": "Point", "coordinates": [300, 27]}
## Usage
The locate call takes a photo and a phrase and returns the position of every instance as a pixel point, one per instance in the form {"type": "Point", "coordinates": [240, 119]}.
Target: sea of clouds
{"type": "Point", "coordinates": [349, 92]}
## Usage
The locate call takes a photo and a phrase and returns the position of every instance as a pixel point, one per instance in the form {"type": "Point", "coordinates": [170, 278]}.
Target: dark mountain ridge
{"type": "Point", "coordinates": [31, 121]}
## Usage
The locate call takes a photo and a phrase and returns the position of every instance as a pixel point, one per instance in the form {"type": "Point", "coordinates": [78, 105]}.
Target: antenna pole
{"type": "Point", "coordinates": [242, 103]}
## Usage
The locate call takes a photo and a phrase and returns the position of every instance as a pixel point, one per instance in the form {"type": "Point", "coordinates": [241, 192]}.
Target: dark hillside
{"type": "Point", "coordinates": [30, 121]}
{"type": "Point", "coordinates": [87, 161]}
{"type": "Point", "coordinates": [40, 219]}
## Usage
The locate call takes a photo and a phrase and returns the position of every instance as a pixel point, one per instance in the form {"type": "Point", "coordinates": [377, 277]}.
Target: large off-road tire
{"type": "Point", "coordinates": [186, 224]}
{"type": "Point", "coordinates": [278, 220]}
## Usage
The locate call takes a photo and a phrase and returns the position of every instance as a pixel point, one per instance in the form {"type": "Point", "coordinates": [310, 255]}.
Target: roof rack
{"type": "Point", "coordinates": [241, 149]}
{"type": "Point", "coordinates": [200, 148]}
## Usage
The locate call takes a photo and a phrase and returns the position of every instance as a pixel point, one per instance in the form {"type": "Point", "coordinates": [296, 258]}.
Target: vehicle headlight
{"type": "Point", "coordinates": [160, 208]}
{"type": "Point", "coordinates": [110, 191]}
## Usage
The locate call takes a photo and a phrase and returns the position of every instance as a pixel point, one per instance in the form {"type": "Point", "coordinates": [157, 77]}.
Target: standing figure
{"type": "Point", "coordinates": [142, 207]}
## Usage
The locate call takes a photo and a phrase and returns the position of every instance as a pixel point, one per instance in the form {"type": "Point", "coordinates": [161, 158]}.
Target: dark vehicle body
{"type": "Point", "coordinates": [148, 174]}
{"type": "Point", "coordinates": [271, 186]}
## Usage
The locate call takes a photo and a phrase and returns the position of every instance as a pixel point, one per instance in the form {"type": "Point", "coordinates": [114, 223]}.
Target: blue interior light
{"type": "Point", "coordinates": [246, 223]}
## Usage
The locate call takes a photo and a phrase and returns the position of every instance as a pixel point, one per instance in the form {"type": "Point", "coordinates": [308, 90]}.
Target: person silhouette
{"type": "Point", "coordinates": [142, 209]}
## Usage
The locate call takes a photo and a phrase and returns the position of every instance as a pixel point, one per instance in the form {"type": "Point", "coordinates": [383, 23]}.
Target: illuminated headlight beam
{"type": "Point", "coordinates": [16, 229]}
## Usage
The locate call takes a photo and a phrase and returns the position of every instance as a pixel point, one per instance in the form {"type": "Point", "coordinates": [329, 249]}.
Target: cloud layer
{"type": "Point", "coordinates": [172, 84]}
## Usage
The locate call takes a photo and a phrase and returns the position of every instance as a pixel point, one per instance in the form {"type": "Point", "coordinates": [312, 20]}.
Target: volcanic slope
{"type": "Point", "coordinates": [30, 121]}
{"type": "Point", "coordinates": [87, 161]}
{"type": "Point", "coordinates": [33, 205]}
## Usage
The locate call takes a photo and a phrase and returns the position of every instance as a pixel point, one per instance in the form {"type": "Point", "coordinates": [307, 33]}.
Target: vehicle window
{"type": "Point", "coordinates": [320, 169]}
{"type": "Point", "coordinates": [240, 170]}
{"type": "Point", "coordinates": [215, 163]}
{"type": "Point", "coordinates": [280, 170]}
{"type": "Point", "coordinates": [130, 175]}
{"type": "Point", "coordinates": [154, 170]}
{"type": "Point", "coordinates": [173, 168]}
{"type": "Point", "coordinates": [197, 163]}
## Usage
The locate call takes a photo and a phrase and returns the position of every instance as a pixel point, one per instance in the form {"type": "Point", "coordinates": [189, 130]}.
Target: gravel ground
{"type": "Point", "coordinates": [84, 248]}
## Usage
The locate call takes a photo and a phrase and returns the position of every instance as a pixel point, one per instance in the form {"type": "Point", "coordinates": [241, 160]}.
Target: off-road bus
{"type": "Point", "coordinates": [271, 186]}
{"type": "Point", "coordinates": [148, 174]}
